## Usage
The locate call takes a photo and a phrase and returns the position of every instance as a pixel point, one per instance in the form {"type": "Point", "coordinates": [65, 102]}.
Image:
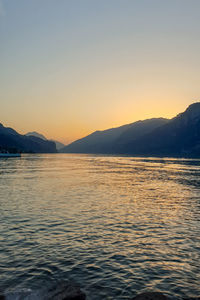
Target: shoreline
{"type": "Point", "coordinates": [2, 155]}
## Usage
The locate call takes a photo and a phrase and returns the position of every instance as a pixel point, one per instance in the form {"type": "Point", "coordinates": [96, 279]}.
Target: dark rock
{"type": "Point", "coordinates": [21, 294]}
{"type": "Point", "coordinates": [150, 296]}
{"type": "Point", "coordinates": [62, 290]}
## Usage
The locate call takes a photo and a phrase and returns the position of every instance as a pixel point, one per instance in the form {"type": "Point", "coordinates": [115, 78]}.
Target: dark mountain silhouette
{"type": "Point", "coordinates": [36, 134]}
{"type": "Point", "coordinates": [111, 140]}
{"type": "Point", "coordinates": [13, 141]}
{"type": "Point", "coordinates": [59, 145]}
{"type": "Point", "coordinates": [139, 129]}
{"type": "Point", "coordinates": [179, 136]}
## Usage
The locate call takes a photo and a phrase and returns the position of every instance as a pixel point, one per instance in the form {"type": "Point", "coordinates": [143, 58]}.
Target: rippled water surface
{"type": "Point", "coordinates": [115, 225]}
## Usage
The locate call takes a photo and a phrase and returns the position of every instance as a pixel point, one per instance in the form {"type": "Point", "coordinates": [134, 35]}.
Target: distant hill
{"type": "Point", "coordinates": [36, 134]}
{"type": "Point", "coordinates": [111, 140]}
{"type": "Point", "coordinates": [59, 145]}
{"type": "Point", "coordinates": [179, 136]}
{"type": "Point", "coordinates": [13, 141]}
{"type": "Point", "coordinates": [41, 136]}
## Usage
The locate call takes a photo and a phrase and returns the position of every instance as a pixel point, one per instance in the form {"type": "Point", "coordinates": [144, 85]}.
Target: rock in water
{"type": "Point", "coordinates": [151, 296]}
{"type": "Point", "coordinates": [62, 290]}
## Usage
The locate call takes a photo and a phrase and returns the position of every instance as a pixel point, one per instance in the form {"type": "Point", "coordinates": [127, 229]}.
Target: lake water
{"type": "Point", "coordinates": [115, 225]}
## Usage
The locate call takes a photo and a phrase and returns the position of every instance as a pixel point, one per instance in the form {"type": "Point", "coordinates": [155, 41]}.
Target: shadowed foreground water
{"type": "Point", "coordinates": [116, 225]}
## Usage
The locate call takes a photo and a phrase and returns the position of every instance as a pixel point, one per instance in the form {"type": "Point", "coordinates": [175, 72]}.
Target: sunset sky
{"type": "Point", "coordinates": [70, 67]}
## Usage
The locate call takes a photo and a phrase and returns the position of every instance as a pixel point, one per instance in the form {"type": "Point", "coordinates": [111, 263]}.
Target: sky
{"type": "Point", "coordinates": [70, 67]}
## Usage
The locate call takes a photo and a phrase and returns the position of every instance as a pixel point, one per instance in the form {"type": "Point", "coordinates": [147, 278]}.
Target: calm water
{"type": "Point", "coordinates": [115, 225]}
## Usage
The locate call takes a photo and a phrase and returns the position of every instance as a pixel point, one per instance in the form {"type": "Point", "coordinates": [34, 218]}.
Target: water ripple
{"type": "Point", "coordinates": [116, 225]}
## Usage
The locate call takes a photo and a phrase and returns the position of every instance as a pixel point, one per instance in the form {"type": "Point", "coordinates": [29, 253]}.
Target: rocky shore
{"type": "Point", "coordinates": [66, 290]}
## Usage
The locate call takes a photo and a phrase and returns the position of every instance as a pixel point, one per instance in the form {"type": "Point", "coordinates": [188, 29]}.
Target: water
{"type": "Point", "coordinates": [115, 225]}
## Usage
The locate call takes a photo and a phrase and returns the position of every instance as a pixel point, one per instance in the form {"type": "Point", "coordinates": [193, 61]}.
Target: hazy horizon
{"type": "Point", "coordinates": [98, 129]}
{"type": "Point", "coordinates": [69, 68]}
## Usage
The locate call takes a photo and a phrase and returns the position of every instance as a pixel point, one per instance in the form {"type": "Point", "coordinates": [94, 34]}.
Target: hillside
{"type": "Point", "coordinates": [10, 140]}
{"type": "Point", "coordinates": [59, 145]}
{"type": "Point", "coordinates": [179, 136]}
{"type": "Point", "coordinates": [111, 140]}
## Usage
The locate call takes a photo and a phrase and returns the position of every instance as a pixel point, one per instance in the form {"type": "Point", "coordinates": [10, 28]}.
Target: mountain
{"type": "Point", "coordinates": [11, 140]}
{"type": "Point", "coordinates": [59, 145]}
{"type": "Point", "coordinates": [36, 134]}
{"type": "Point", "coordinates": [178, 137]}
{"type": "Point", "coordinates": [139, 129]}
{"type": "Point", "coordinates": [111, 140]}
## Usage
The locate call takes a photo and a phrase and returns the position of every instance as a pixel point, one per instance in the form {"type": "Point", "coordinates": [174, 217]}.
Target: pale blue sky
{"type": "Point", "coordinates": [69, 67]}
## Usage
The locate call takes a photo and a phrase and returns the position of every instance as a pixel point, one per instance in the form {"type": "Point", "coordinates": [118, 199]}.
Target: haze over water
{"type": "Point", "coordinates": [116, 225]}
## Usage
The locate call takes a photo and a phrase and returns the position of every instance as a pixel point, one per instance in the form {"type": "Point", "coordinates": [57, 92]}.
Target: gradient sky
{"type": "Point", "coordinates": [70, 67]}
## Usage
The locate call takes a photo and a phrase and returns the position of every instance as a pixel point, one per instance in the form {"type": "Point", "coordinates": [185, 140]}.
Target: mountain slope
{"type": "Point", "coordinates": [179, 137]}
{"type": "Point", "coordinates": [108, 141]}
{"type": "Point", "coordinates": [59, 145]}
{"type": "Point", "coordinates": [139, 129]}
{"type": "Point", "coordinates": [36, 134]}
{"type": "Point", "coordinates": [11, 140]}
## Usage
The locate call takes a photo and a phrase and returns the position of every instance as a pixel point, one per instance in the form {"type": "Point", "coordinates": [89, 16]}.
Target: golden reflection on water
{"type": "Point", "coordinates": [105, 221]}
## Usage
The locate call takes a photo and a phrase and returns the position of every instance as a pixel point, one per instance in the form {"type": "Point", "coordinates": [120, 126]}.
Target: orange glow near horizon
{"type": "Point", "coordinates": [72, 129]}
{"type": "Point", "coordinates": [74, 67]}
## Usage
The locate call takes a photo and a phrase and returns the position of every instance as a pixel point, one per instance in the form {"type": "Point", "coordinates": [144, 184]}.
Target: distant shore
{"type": "Point", "coordinates": [10, 155]}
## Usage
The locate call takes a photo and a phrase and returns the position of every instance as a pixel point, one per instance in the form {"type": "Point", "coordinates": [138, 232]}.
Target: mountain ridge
{"type": "Point", "coordinates": [179, 136]}
{"type": "Point", "coordinates": [106, 141]}
{"type": "Point", "coordinates": [59, 145]}
{"type": "Point", "coordinates": [12, 141]}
